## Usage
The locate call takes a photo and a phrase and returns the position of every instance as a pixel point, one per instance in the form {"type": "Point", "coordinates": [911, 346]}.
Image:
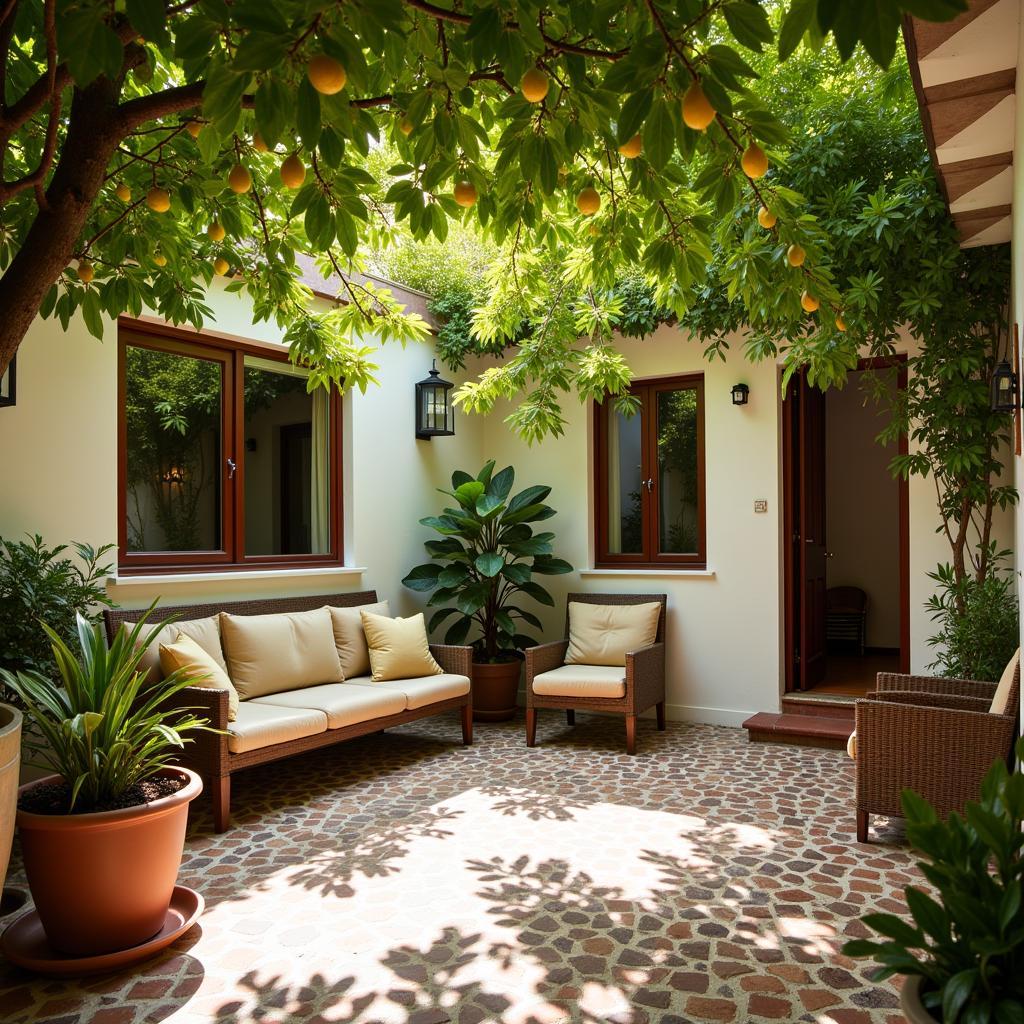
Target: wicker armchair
{"type": "Point", "coordinates": [938, 737]}
{"type": "Point", "coordinates": [644, 674]}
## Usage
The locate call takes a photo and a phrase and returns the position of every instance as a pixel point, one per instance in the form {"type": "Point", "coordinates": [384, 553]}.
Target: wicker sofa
{"type": "Point", "coordinates": [305, 719]}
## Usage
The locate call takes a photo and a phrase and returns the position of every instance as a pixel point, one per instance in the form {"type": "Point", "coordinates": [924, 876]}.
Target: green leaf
{"type": "Point", "coordinates": [92, 314]}
{"type": "Point", "coordinates": [795, 23]}
{"type": "Point", "coordinates": [489, 563]}
{"type": "Point", "coordinates": [548, 566]}
{"type": "Point", "coordinates": [957, 991]}
{"type": "Point", "coordinates": [149, 18]}
{"type": "Point", "coordinates": [501, 483]}
{"type": "Point", "coordinates": [659, 135]}
{"type": "Point", "coordinates": [458, 632]}
{"type": "Point", "coordinates": [749, 24]}
{"type": "Point", "coordinates": [529, 496]}
{"type": "Point", "coordinates": [307, 114]}
{"type": "Point", "coordinates": [423, 577]}
{"type": "Point", "coordinates": [466, 494]}
{"type": "Point", "coordinates": [489, 505]}
{"type": "Point", "coordinates": [633, 114]}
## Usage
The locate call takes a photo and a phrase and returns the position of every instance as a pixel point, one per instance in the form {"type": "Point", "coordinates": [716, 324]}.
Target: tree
{"type": "Point", "coordinates": [154, 140]}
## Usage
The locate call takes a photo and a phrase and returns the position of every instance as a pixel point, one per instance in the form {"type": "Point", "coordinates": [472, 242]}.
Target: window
{"type": "Point", "coordinates": [650, 478]}
{"type": "Point", "coordinates": [226, 460]}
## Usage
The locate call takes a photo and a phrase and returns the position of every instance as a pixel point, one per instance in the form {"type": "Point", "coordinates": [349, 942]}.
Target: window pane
{"type": "Point", "coordinates": [625, 484]}
{"type": "Point", "coordinates": [287, 462]}
{"type": "Point", "coordinates": [678, 494]}
{"type": "Point", "coordinates": [173, 436]}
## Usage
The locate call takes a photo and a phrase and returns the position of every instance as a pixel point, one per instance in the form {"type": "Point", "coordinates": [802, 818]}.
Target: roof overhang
{"type": "Point", "coordinates": [965, 74]}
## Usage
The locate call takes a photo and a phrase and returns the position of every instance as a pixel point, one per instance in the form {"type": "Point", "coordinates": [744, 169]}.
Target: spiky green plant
{"type": "Point", "coordinates": [103, 728]}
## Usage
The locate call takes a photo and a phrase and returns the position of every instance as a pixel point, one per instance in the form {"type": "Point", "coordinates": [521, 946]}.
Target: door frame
{"type": "Point", "coordinates": [788, 549]}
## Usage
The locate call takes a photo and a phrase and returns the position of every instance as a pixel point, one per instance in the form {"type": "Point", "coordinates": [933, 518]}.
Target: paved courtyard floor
{"type": "Point", "coordinates": [403, 878]}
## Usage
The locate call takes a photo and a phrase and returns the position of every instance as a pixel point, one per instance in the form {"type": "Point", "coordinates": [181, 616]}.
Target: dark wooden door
{"type": "Point", "coordinates": [810, 543]}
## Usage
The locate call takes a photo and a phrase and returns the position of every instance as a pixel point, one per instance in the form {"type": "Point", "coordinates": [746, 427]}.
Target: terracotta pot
{"type": "Point", "coordinates": [911, 1005]}
{"type": "Point", "coordinates": [495, 689]}
{"type": "Point", "coordinates": [102, 882]}
{"type": "Point", "coordinates": [10, 762]}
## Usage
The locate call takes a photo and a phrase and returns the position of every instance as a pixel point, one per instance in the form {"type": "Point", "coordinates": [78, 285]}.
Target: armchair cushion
{"type": "Point", "coordinates": [201, 667]}
{"type": "Point", "coordinates": [607, 681]}
{"type": "Point", "coordinates": [601, 634]}
{"type": "Point", "coordinates": [398, 647]}
{"type": "Point", "coordinates": [263, 725]}
{"type": "Point", "coordinates": [1001, 698]}
{"type": "Point", "coordinates": [350, 638]}
{"type": "Point", "coordinates": [342, 703]}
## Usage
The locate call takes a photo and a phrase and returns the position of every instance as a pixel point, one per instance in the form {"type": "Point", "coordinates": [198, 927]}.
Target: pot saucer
{"type": "Point", "coordinates": [24, 941]}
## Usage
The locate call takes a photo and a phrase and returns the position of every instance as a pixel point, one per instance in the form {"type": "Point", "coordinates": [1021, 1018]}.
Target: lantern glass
{"type": "Point", "coordinates": [740, 393]}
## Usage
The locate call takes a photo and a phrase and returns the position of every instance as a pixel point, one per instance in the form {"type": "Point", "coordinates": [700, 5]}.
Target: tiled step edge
{"type": "Point", "coordinates": [801, 730]}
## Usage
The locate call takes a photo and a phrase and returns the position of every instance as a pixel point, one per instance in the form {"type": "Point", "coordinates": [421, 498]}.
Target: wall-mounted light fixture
{"type": "Point", "coordinates": [1004, 388]}
{"type": "Point", "coordinates": [434, 414]}
{"type": "Point", "coordinates": [173, 476]}
{"type": "Point", "coordinates": [740, 394]}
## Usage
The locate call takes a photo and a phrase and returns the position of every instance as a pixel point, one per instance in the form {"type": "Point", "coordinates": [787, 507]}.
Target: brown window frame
{"type": "Point", "coordinates": [230, 353]}
{"type": "Point", "coordinates": [647, 391]}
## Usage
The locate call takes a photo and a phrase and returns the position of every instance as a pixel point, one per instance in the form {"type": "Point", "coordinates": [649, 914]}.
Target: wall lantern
{"type": "Point", "coordinates": [9, 384]}
{"type": "Point", "coordinates": [173, 476]}
{"type": "Point", "coordinates": [740, 394]}
{"type": "Point", "coordinates": [435, 416]}
{"type": "Point", "coordinates": [1004, 388]}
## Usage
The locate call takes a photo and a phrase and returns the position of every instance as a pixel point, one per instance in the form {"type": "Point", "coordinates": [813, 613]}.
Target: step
{"type": "Point", "coordinates": [823, 706]}
{"type": "Point", "coordinates": [799, 730]}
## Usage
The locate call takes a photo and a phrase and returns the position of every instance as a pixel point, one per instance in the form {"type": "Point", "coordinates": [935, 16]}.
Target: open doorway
{"type": "Point", "coordinates": [846, 523]}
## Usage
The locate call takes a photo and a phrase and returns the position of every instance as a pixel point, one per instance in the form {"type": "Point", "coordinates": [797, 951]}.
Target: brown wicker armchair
{"type": "Point", "coordinates": [935, 736]}
{"type": "Point", "coordinates": [643, 674]}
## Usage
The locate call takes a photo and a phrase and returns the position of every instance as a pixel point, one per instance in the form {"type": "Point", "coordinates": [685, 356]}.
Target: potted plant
{"type": "Point", "coordinates": [102, 837]}
{"type": "Point", "coordinates": [963, 954]}
{"type": "Point", "coordinates": [10, 762]}
{"type": "Point", "coordinates": [482, 568]}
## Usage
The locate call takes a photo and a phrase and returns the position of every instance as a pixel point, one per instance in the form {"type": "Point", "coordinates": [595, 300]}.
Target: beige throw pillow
{"type": "Point", "coordinates": [601, 634]}
{"type": "Point", "coordinates": [205, 632]}
{"type": "Point", "coordinates": [274, 653]}
{"type": "Point", "coordinates": [186, 654]}
{"type": "Point", "coordinates": [398, 647]}
{"type": "Point", "coordinates": [1001, 698]}
{"type": "Point", "coordinates": [350, 639]}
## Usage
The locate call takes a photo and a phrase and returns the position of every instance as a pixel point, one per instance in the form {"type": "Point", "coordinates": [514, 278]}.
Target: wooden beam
{"type": "Point", "coordinates": [931, 35]}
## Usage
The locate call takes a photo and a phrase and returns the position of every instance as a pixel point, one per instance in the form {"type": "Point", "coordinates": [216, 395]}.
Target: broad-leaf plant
{"type": "Point", "coordinates": [482, 568]}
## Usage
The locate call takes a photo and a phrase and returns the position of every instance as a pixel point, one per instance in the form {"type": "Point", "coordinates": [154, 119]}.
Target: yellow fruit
{"type": "Point", "coordinates": [405, 126]}
{"type": "Point", "coordinates": [220, 266]}
{"type": "Point", "coordinates": [697, 111]}
{"type": "Point", "coordinates": [796, 255]}
{"type": "Point", "coordinates": [840, 324]}
{"type": "Point", "coordinates": [766, 218]}
{"type": "Point", "coordinates": [216, 231]}
{"type": "Point", "coordinates": [754, 161]}
{"type": "Point", "coordinates": [158, 199]}
{"type": "Point", "coordinates": [160, 259]}
{"type": "Point", "coordinates": [194, 128]}
{"type": "Point", "coordinates": [534, 85]}
{"type": "Point", "coordinates": [124, 193]}
{"type": "Point", "coordinates": [326, 75]}
{"type": "Point", "coordinates": [293, 172]}
{"type": "Point", "coordinates": [588, 202]}
{"type": "Point", "coordinates": [809, 302]}
{"type": "Point", "coordinates": [239, 180]}
{"type": "Point", "coordinates": [85, 271]}
{"type": "Point", "coordinates": [465, 193]}
{"type": "Point", "coordinates": [258, 144]}
{"type": "Point", "coordinates": [631, 148]}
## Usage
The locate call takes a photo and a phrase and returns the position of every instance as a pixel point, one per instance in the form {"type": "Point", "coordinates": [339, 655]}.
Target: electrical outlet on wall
{"type": "Point", "coordinates": [760, 505]}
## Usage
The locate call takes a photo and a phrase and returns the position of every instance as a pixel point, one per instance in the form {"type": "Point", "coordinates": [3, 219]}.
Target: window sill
{"type": "Point", "coordinates": [667, 574]}
{"type": "Point", "coordinates": [152, 579]}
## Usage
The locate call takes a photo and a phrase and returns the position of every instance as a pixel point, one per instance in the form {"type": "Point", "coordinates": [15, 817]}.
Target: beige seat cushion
{"type": "Point", "coordinates": [274, 653]}
{"type": "Point", "coordinates": [398, 647]}
{"type": "Point", "coordinates": [205, 632]}
{"type": "Point", "coordinates": [186, 655]}
{"type": "Point", "coordinates": [851, 745]}
{"type": "Point", "coordinates": [342, 703]}
{"type": "Point", "coordinates": [581, 681]}
{"type": "Point", "coordinates": [601, 634]}
{"type": "Point", "coordinates": [263, 725]}
{"type": "Point", "coordinates": [350, 639]}
{"type": "Point", "coordinates": [419, 692]}
{"type": "Point", "coordinates": [1001, 698]}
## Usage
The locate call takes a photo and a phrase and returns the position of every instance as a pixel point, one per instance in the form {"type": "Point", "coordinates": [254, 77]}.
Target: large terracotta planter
{"type": "Point", "coordinates": [495, 690]}
{"type": "Point", "coordinates": [911, 1005]}
{"type": "Point", "coordinates": [10, 763]}
{"type": "Point", "coordinates": [102, 882]}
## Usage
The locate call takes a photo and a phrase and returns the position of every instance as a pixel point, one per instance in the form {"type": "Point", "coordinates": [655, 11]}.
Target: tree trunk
{"type": "Point", "coordinates": [92, 138]}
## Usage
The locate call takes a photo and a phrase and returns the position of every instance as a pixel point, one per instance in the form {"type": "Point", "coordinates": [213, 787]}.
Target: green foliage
{"type": "Point", "coordinates": [101, 728]}
{"type": "Point", "coordinates": [440, 86]}
{"type": "Point", "coordinates": [39, 584]}
{"type": "Point", "coordinates": [967, 946]}
{"type": "Point", "coordinates": [483, 565]}
{"type": "Point", "coordinates": [979, 624]}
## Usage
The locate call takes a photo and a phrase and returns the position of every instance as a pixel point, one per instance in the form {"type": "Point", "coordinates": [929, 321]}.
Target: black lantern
{"type": "Point", "coordinates": [740, 394]}
{"type": "Point", "coordinates": [434, 414]}
{"type": "Point", "coordinates": [1004, 388]}
{"type": "Point", "coordinates": [9, 384]}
